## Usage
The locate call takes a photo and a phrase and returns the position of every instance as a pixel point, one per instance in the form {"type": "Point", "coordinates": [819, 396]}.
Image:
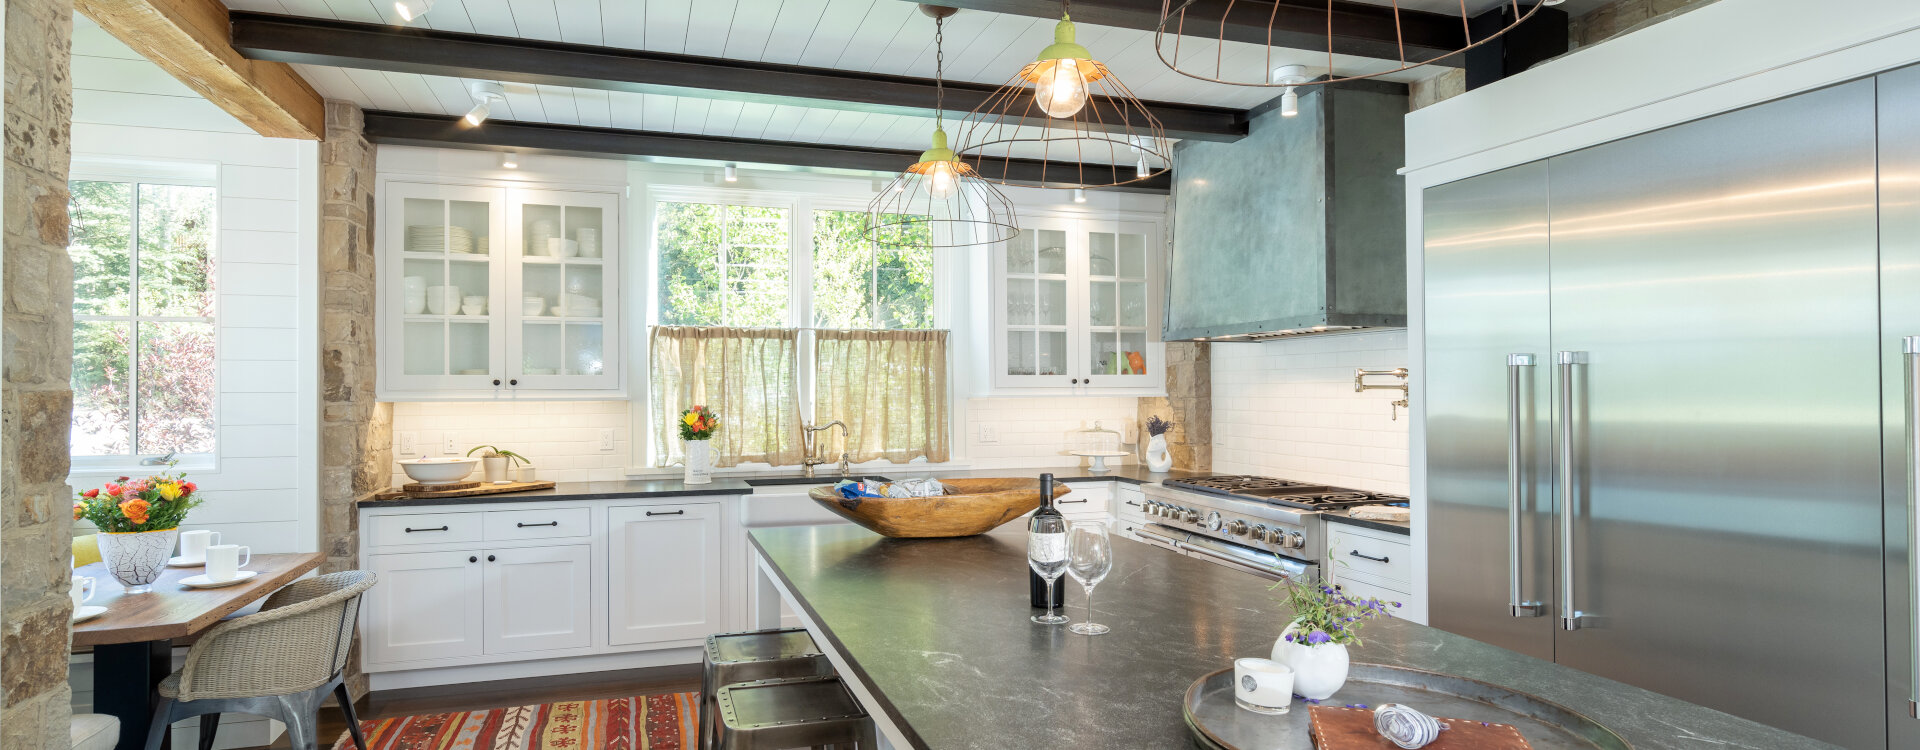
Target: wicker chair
{"type": "Point", "coordinates": [280, 663]}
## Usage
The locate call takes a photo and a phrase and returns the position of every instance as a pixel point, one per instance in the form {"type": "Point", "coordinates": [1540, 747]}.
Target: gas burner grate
{"type": "Point", "coordinates": [1244, 485]}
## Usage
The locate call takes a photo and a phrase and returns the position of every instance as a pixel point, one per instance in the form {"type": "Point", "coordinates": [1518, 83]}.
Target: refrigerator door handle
{"type": "Point", "coordinates": [1518, 606]}
{"type": "Point", "coordinates": [1566, 361]}
{"type": "Point", "coordinates": [1910, 347]}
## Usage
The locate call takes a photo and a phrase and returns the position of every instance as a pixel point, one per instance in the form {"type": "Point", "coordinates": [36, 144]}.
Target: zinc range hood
{"type": "Point", "coordinates": [1297, 229]}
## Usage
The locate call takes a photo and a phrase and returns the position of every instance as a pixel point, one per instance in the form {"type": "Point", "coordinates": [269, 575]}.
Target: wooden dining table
{"type": "Point", "coordinates": [133, 641]}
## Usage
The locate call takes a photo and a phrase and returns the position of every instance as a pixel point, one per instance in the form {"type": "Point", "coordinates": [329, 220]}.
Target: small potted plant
{"type": "Point", "coordinates": [1325, 622]}
{"type": "Point", "coordinates": [496, 461]}
{"type": "Point", "coordinates": [139, 521]}
{"type": "Point", "coordinates": [697, 426]}
{"type": "Point", "coordinates": [1158, 459]}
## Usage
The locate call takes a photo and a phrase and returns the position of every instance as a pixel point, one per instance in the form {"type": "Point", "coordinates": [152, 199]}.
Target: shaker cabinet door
{"type": "Point", "coordinates": [538, 599]}
{"type": "Point", "coordinates": [427, 606]}
{"type": "Point", "coordinates": [664, 573]}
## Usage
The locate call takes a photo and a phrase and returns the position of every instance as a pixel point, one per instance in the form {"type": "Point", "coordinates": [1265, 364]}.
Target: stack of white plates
{"type": "Point", "coordinates": [432, 238]}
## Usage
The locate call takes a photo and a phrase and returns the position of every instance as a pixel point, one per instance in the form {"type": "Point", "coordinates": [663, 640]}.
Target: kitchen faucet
{"type": "Point", "coordinates": [811, 441]}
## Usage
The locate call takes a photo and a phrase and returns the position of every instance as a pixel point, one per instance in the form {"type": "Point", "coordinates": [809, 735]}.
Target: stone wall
{"type": "Point", "coordinates": [356, 441]}
{"type": "Point", "coordinates": [36, 405]}
{"type": "Point", "coordinates": [1188, 405]}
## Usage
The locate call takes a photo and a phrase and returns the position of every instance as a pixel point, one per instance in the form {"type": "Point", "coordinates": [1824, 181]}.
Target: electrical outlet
{"type": "Point", "coordinates": [409, 443]}
{"type": "Point", "coordinates": [606, 440]}
{"type": "Point", "coordinates": [988, 434]}
{"type": "Point", "coordinates": [446, 446]}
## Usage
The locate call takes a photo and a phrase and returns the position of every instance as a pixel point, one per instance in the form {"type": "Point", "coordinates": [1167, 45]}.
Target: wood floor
{"type": "Point", "coordinates": [480, 695]}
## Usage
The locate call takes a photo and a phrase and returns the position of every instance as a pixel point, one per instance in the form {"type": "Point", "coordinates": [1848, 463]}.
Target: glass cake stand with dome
{"type": "Point", "coordinates": [1096, 443]}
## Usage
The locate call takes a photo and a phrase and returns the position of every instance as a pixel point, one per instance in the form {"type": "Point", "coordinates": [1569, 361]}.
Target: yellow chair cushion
{"type": "Point", "coordinates": [86, 550]}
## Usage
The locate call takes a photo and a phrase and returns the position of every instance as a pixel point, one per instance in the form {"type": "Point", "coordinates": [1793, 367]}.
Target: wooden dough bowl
{"type": "Point", "coordinates": [972, 506]}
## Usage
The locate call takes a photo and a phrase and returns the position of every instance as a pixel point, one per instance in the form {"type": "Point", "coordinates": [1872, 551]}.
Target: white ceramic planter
{"type": "Point", "coordinates": [1158, 459]}
{"type": "Point", "coordinates": [137, 558]}
{"type": "Point", "coordinates": [699, 461]}
{"type": "Point", "coordinates": [496, 468]}
{"type": "Point", "coordinates": [1318, 671]}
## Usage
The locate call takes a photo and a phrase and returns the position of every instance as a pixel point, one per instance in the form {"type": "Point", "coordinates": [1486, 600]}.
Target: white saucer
{"type": "Point", "coordinates": [88, 612]}
{"type": "Point", "coordinates": [183, 562]}
{"type": "Point", "coordinates": [203, 582]}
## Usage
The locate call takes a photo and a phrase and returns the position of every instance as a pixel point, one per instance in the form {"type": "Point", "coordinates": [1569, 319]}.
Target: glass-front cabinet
{"type": "Point", "coordinates": [1076, 305]}
{"type": "Point", "coordinates": [498, 292]}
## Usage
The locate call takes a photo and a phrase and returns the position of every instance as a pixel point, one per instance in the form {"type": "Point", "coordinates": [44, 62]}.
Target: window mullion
{"type": "Point", "coordinates": [133, 326]}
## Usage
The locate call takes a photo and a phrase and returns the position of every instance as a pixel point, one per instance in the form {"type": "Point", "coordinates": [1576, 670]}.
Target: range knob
{"type": "Point", "coordinates": [1259, 533]}
{"type": "Point", "coordinates": [1237, 527]}
{"type": "Point", "coordinates": [1274, 536]}
{"type": "Point", "coordinates": [1157, 509]}
{"type": "Point", "coordinates": [1294, 540]}
{"type": "Point", "coordinates": [1190, 515]}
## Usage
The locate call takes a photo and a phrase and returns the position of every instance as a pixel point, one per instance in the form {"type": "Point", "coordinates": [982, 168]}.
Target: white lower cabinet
{"type": "Point", "coordinates": [427, 605]}
{"type": "Point", "coordinates": [664, 572]}
{"type": "Point", "coordinates": [537, 599]}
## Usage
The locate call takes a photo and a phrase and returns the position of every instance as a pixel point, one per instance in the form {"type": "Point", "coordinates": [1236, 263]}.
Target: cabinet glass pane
{"type": "Point", "coordinates": [1133, 352]}
{"type": "Point", "coordinates": [1020, 353]}
{"type": "Point", "coordinates": [1101, 259]}
{"type": "Point", "coordinates": [1133, 256]}
{"type": "Point", "coordinates": [467, 347]}
{"type": "Point", "coordinates": [583, 291]}
{"type": "Point", "coordinates": [1050, 305]}
{"type": "Point", "coordinates": [470, 283]}
{"type": "Point", "coordinates": [1133, 303]}
{"type": "Point", "coordinates": [426, 221]}
{"type": "Point", "coordinates": [541, 348]}
{"type": "Point", "coordinates": [425, 348]}
{"type": "Point", "coordinates": [1051, 255]}
{"type": "Point", "coordinates": [583, 349]}
{"type": "Point", "coordinates": [1123, 353]}
{"type": "Point", "coordinates": [1020, 302]}
{"type": "Point", "coordinates": [1053, 353]}
{"type": "Point", "coordinates": [1020, 253]}
{"type": "Point", "coordinates": [1100, 303]}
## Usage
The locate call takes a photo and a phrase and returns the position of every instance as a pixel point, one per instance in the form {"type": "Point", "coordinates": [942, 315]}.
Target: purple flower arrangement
{"type": "Point", "coordinates": [1323, 614]}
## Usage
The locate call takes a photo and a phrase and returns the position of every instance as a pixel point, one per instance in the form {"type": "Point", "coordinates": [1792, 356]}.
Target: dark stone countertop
{"type": "Point", "coordinates": [936, 630]}
{"type": "Point", "coordinates": [743, 485]}
{"type": "Point", "coordinates": [1391, 527]}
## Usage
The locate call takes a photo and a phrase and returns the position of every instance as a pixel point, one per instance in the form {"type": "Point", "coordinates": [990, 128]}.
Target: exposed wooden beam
{"type": "Point", "coordinates": [347, 44]}
{"type": "Point", "coordinates": [407, 129]}
{"type": "Point", "coordinates": [188, 39]}
{"type": "Point", "coordinates": [1361, 29]}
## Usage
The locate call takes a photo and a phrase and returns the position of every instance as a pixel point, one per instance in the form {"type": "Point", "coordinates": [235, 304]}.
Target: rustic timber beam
{"type": "Point", "coordinates": [347, 44]}
{"type": "Point", "coordinates": [408, 129]}
{"type": "Point", "coordinates": [1361, 29]}
{"type": "Point", "coordinates": [188, 39]}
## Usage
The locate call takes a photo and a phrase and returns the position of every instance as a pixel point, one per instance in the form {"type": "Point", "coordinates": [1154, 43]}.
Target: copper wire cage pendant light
{"type": "Point", "coordinates": [1070, 112]}
{"type": "Point", "coordinates": [939, 201]}
{"type": "Point", "coordinates": [1207, 59]}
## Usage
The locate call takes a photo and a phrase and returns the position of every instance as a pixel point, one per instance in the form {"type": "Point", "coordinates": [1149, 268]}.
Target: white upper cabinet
{"type": "Point", "coordinates": [491, 293]}
{"type": "Point", "coordinates": [1076, 306]}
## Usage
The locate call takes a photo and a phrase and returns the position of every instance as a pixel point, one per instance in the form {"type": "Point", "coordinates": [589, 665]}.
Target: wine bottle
{"type": "Point", "coordinates": [1037, 586]}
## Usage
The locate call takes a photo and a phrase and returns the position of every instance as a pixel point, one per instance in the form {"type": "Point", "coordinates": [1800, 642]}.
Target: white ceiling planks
{"type": "Point", "coordinates": [836, 23]}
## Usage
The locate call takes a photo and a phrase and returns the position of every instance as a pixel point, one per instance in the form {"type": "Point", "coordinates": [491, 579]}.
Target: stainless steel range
{"type": "Point", "coordinates": [1265, 526]}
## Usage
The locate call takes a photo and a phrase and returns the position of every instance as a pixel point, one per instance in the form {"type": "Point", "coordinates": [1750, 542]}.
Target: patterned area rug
{"type": "Point", "coordinates": [647, 722]}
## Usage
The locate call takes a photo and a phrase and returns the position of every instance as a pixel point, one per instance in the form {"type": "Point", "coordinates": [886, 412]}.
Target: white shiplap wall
{"type": "Point", "coordinates": [1287, 408]}
{"type": "Point", "coordinates": [262, 491]}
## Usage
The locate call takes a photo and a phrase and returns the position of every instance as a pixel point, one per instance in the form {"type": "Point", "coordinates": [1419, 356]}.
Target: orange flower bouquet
{"type": "Point", "coordinates": [139, 520]}
{"type": "Point", "coordinates": [698, 423]}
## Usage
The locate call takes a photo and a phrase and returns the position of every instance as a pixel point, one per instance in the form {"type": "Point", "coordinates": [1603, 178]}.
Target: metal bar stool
{"type": "Point", "coordinates": [749, 656]}
{"type": "Point", "coordinates": [792, 712]}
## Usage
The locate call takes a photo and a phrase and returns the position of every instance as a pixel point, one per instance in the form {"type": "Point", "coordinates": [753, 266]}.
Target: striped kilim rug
{"type": "Point", "coordinates": [647, 722]}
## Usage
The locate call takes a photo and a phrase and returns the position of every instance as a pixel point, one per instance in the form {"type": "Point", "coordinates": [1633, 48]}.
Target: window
{"type": "Point", "coordinates": [860, 284]}
{"type": "Point", "coordinates": [722, 264]}
{"type": "Point", "coordinates": [143, 331]}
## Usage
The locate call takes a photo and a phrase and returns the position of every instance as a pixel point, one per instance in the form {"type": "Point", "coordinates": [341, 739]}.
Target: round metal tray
{"type": "Point", "coordinates": [1215, 723]}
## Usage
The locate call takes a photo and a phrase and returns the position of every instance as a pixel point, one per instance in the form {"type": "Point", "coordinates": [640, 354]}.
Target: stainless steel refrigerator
{"type": "Point", "coordinates": [1666, 424]}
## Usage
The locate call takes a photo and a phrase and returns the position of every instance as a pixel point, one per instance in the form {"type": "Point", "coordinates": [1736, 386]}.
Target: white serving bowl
{"type": "Point", "coordinates": [438, 470]}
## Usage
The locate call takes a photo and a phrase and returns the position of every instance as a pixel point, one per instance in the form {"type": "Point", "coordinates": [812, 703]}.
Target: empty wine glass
{"type": "Point", "coordinates": [1047, 554]}
{"type": "Point", "coordinates": [1089, 557]}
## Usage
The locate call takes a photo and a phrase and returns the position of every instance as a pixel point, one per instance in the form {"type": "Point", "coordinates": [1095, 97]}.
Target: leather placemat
{"type": "Point", "coordinates": [1336, 728]}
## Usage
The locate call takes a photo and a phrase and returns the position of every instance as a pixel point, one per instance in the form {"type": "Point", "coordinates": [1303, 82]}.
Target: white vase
{"type": "Point", "coordinates": [496, 468]}
{"type": "Point", "coordinates": [1158, 459]}
{"type": "Point", "coordinates": [1318, 671]}
{"type": "Point", "coordinates": [699, 461]}
{"type": "Point", "coordinates": [137, 558]}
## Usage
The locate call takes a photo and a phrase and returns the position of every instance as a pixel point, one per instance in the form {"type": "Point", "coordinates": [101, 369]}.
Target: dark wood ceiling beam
{"type": "Point", "coordinates": [345, 44]}
{"type": "Point", "coordinates": [407, 129]}
{"type": "Point", "coordinates": [1361, 29]}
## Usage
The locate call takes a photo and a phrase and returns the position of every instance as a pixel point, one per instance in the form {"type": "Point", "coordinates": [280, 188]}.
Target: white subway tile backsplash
{"type": "Point", "coordinates": [562, 438]}
{"type": "Point", "coordinates": [1033, 431]}
{"type": "Point", "coordinates": [1287, 408]}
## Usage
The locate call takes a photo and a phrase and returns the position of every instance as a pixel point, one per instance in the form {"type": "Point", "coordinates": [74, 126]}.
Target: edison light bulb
{"type": "Point", "coordinates": [941, 180]}
{"type": "Point", "coordinates": [1062, 89]}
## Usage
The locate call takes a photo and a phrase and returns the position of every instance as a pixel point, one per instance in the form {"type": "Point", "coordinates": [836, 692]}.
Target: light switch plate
{"type": "Point", "coordinates": [409, 443]}
{"type": "Point", "coordinates": [606, 440]}
{"type": "Point", "coordinates": [446, 446]}
{"type": "Point", "coordinates": [988, 434]}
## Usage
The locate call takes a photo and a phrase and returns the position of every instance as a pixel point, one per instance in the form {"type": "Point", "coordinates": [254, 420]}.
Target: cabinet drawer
{"type": "Point", "coordinates": [1389, 560]}
{"type": "Point", "coordinates": [1130, 504]}
{"type": "Point", "coordinates": [1084, 500]}
{"type": "Point", "coordinates": [423, 528]}
{"type": "Point", "coordinates": [1361, 589]}
{"type": "Point", "coordinates": [542, 523]}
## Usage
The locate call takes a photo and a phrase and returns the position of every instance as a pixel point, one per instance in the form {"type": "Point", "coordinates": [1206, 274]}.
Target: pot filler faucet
{"type": "Point", "coordinates": [811, 441]}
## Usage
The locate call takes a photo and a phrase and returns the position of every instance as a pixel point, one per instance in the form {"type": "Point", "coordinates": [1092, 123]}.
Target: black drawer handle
{"type": "Point", "coordinates": [1081, 500]}
{"type": "Point", "coordinates": [668, 513]}
{"type": "Point", "coordinates": [411, 529]}
{"type": "Point", "coordinates": [1132, 503]}
{"type": "Point", "coordinates": [1356, 553]}
{"type": "Point", "coordinates": [526, 525]}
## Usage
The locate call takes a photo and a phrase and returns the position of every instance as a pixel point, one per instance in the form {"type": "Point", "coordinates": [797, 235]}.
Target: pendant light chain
{"type": "Point", "coordinates": [939, 73]}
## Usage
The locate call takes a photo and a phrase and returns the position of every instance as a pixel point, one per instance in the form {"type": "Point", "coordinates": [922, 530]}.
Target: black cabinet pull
{"type": "Point", "coordinates": [1356, 553]}
{"type": "Point", "coordinates": [489, 558]}
{"type": "Point", "coordinates": [1064, 502]}
{"type": "Point", "coordinates": [496, 382]}
{"type": "Point", "coordinates": [668, 513]}
{"type": "Point", "coordinates": [1076, 381]}
{"type": "Point", "coordinates": [411, 529]}
{"type": "Point", "coordinates": [1132, 503]}
{"type": "Point", "coordinates": [515, 381]}
{"type": "Point", "coordinates": [471, 558]}
{"type": "Point", "coordinates": [526, 525]}
{"type": "Point", "coordinates": [1088, 381]}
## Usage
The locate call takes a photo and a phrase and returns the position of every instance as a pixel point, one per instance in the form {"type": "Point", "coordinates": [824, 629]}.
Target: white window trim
{"type": "Point", "coordinates": [799, 313]}
{"type": "Point", "coordinates": [190, 174]}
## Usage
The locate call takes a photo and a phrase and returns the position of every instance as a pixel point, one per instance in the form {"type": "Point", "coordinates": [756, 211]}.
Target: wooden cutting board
{"type": "Point", "coordinates": [1336, 728]}
{"type": "Point", "coordinates": [460, 489]}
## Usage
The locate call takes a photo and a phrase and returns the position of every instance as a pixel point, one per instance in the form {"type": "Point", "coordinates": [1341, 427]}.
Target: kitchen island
{"type": "Point", "coordinates": [933, 636]}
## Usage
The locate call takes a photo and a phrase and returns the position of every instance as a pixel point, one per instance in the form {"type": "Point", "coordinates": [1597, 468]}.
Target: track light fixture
{"type": "Point", "coordinates": [1290, 76]}
{"type": "Point", "coordinates": [485, 93]}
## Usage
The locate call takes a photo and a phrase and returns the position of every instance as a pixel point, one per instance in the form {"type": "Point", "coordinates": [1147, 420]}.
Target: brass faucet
{"type": "Point", "coordinates": [809, 441]}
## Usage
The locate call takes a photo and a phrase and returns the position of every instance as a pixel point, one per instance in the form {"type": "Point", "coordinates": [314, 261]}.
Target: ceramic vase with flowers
{"type": "Point", "coordinates": [1314, 645]}
{"type": "Point", "coordinates": [696, 433]}
{"type": "Point", "coordinates": [1158, 459]}
{"type": "Point", "coordinates": [139, 520]}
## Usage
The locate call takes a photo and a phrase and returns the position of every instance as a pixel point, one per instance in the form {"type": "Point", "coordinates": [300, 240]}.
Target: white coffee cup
{"type": "Point", "coordinates": [1263, 686]}
{"type": "Point", "coordinates": [82, 591]}
{"type": "Point", "coordinates": [224, 561]}
{"type": "Point", "coordinates": [193, 544]}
